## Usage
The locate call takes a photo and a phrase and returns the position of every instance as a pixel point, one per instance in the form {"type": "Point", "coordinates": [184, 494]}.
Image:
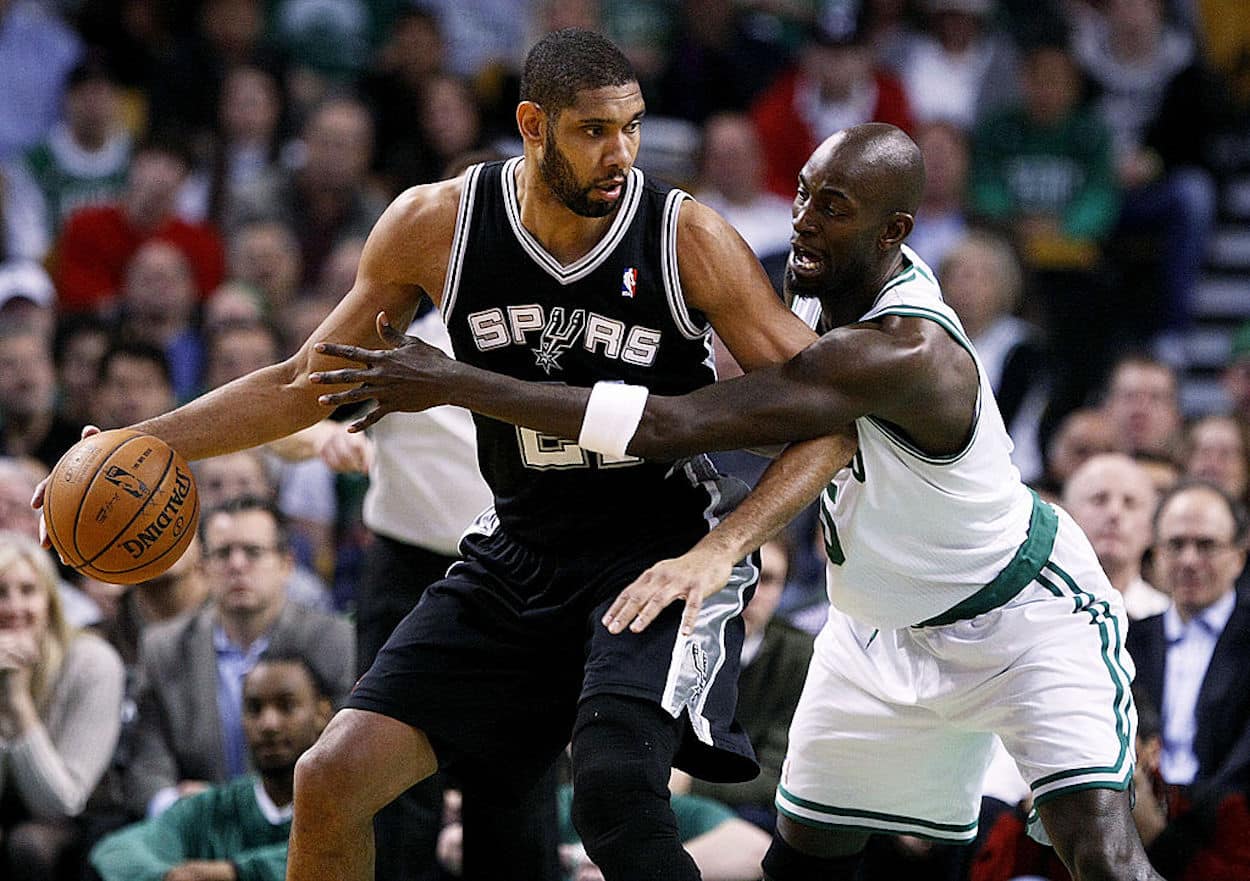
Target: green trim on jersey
{"type": "Point", "coordinates": [1025, 566]}
{"type": "Point", "coordinates": [923, 828]}
{"type": "Point", "coordinates": [959, 337]}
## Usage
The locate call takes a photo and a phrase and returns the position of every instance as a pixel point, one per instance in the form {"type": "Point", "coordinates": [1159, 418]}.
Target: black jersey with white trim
{"type": "Point", "coordinates": [616, 314]}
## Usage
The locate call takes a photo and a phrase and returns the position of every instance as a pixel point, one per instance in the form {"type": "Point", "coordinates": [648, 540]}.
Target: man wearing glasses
{"type": "Point", "coordinates": [188, 731]}
{"type": "Point", "coordinates": [1192, 659]}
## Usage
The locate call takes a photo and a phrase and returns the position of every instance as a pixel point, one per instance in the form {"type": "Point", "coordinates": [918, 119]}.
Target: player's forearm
{"type": "Point", "coordinates": [790, 483]}
{"type": "Point", "coordinates": [551, 408]}
{"type": "Point", "coordinates": [252, 410]}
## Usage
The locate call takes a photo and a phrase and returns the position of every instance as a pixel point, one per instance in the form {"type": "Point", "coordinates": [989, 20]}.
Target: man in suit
{"type": "Point", "coordinates": [188, 731]}
{"type": "Point", "coordinates": [1191, 660]}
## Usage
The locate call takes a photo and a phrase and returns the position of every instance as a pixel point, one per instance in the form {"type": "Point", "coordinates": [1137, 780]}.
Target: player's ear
{"type": "Point", "coordinates": [531, 122]}
{"type": "Point", "coordinates": [897, 227]}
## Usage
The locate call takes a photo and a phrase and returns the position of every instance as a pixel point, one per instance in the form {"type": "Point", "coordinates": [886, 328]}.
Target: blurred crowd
{"type": "Point", "coordinates": [185, 190]}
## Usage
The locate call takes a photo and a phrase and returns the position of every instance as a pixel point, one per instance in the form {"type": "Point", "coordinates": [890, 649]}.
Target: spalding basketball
{"type": "Point", "coordinates": [121, 506]}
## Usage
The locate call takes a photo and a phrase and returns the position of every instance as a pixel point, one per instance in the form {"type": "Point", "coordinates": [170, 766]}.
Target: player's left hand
{"type": "Point", "coordinates": [407, 376]}
{"type": "Point", "coordinates": [693, 577]}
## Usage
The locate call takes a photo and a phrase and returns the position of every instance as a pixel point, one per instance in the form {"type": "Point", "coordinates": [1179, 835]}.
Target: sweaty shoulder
{"type": "Point", "coordinates": [411, 242]}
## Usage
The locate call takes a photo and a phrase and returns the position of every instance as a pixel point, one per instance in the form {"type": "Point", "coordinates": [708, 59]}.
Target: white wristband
{"type": "Point", "coordinates": [612, 416]}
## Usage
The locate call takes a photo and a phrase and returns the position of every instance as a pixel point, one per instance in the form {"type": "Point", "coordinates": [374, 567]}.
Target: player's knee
{"type": "Point", "coordinates": [1108, 858]}
{"type": "Point", "coordinates": [613, 794]}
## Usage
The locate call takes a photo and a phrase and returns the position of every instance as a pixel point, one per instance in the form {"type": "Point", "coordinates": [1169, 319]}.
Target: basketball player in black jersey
{"type": "Point", "coordinates": [566, 265]}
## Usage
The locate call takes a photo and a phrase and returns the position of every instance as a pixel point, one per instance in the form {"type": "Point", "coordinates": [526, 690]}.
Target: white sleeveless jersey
{"type": "Point", "coordinates": [910, 535]}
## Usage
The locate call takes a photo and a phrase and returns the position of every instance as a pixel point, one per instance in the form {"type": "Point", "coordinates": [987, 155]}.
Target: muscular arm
{"type": "Point", "coordinates": [406, 252]}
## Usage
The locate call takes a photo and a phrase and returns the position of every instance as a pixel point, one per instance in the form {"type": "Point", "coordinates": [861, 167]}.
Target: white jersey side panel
{"type": "Point", "coordinates": [911, 535]}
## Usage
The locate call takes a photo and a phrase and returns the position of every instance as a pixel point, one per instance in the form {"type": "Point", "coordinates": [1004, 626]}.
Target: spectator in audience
{"type": "Point", "coordinates": [158, 305]}
{"type": "Point", "coordinates": [1143, 404]}
{"type": "Point", "coordinates": [775, 656]}
{"type": "Point", "coordinates": [60, 712]}
{"type": "Point", "coordinates": [450, 121]}
{"type": "Point", "coordinates": [78, 347]}
{"type": "Point", "coordinates": [1135, 59]}
{"type": "Point", "coordinates": [30, 425]}
{"type": "Point", "coordinates": [941, 222]}
{"type": "Point", "coordinates": [237, 348]}
{"type": "Point", "coordinates": [265, 255]}
{"type": "Point", "coordinates": [187, 731]}
{"type": "Point", "coordinates": [1191, 660]}
{"type": "Point", "coordinates": [1235, 377]}
{"type": "Point", "coordinates": [27, 297]}
{"type": "Point", "coordinates": [1165, 471]}
{"type": "Point", "coordinates": [84, 158]}
{"type": "Point", "coordinates": [134, 384]}
{"type": "Point", "coordinates": [231, 304]}
{"type": "Point", "coordinates": [1083, 433]}
{"type": "Point", "coordinates": [1113, 500]}
{"type": "Point", "coordinates": [1042, 171]}
{"type": "Point", "coordinates": [834, 85]}
{"type": "Point", "coordinates": [243, 148]}
{"type": "Point", "coordinates": [328, 197]}
{"type": "Point", "coordinates": [97, 242]}
{"type": "Point", "coordinates": [961, 68]}
{"type": "Point", "coordinates": [1216, 449]}
{"type": "Point", "coordinates": [982, 281]}
{"type": "Point", "coordinates": [731, 181]}
{"type": "Point", "coordinates": [237, 830]}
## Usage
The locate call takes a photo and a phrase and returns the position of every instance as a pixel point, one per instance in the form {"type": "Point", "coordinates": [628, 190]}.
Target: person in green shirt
{"type": "Point", "coordinates": [236, 831]}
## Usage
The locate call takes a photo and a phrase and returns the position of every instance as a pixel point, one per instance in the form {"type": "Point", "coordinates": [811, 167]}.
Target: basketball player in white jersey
{"type": "Point", "coordinates": [963, 605]}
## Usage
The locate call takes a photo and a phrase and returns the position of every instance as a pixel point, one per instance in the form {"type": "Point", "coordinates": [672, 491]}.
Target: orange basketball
{"type": "Point", "coordinates": [121, 506]}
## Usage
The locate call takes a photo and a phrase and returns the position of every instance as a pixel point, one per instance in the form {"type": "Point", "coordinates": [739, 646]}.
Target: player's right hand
{"type": "Point", "coordinates": [36, 501]}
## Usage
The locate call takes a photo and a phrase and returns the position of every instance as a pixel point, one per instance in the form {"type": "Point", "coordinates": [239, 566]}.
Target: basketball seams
{"type": "Point", "coordinates": [82, 499]}
{"type": "Point", "coordinates": [176, 548]}
{"type": "Point", "coordinates": [143, 506]}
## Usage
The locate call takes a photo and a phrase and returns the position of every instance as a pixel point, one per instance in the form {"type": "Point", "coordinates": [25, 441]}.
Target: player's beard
{"type": "Point", "coordinates": [559, 175]}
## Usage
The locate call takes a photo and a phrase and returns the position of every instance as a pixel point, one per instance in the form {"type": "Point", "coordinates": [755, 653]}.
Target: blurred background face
{"type": "Point", "coordinates": [267, 257]}
{"type": "Point", "coordinates": [774, 565]}
{"type": "Point", "coordinates": [247, 568]}
{"type": "Point", "coordinates": [282, 714]}
{"type": "Point", "coordinates": [732, 165]}
{"type": "Point", "coordinates": [92, 111]}
{"type": "Point", "coordinates": [1143, 407]}
{"type": "Point", "coordinates": [27, 375]}
{"type": "Point", "coordinates": [1051, 85]}
{"type": "Point", "coordinates": [237, 351]}
{"type": "Point", "coordinates": [1196, 559]}
{"type": "Point", "coordinates": [17, 485]}
{"type": "Point", "coordinates": [837, 70]}
{"type": "Point", "coordinates": [1217, 453]}
{"type": "Point", "coordinates": [233, 476]}
{"type": "Point", "coordinates": [1082, 434]}
{"type": "Point", "coordinates": [131, 390]}
{"type": "Point", "coordinates": [945, 151]}
{"type": "Point", "coordinates": [974, 286]}
{"type": "Point", "coordinates": [152, 188]}
{"type": "Point", "coordinates": [23, 598]}
{"type": "Point", "coordinates": [158, 293]}
{"type": "Point", "coordinates": [1113, 500]}
{"type": "Point", "coordinates": [250, 106]}
{"type": "Point", "coordinates": [79, 371]}
{"type": "Point", "coordinates": [450, 118]}
{"type": "Point", "coordinates": [338, 144]}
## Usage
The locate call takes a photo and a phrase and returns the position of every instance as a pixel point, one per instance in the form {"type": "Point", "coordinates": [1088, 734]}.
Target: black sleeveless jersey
{"type": "Point", "coordinates": [616, 314]}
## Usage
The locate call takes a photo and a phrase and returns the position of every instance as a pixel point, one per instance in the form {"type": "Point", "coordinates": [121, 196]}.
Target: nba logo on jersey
{"type": "Point", "coordinates": [629, 282]}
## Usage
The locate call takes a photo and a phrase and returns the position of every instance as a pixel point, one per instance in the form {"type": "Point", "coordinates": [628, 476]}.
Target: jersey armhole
{"type": "Point", "coordinates": [669, 268]}
{"type": "Point", "coordinates": [459, 240]}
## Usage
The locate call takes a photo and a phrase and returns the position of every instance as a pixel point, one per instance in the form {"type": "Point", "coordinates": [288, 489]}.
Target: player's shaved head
{"type": "Point", "coordinates": [884, 163]}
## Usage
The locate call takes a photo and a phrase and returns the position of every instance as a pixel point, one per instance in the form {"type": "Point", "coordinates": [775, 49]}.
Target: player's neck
{"type": "Point", "coordinates": [566, 236]}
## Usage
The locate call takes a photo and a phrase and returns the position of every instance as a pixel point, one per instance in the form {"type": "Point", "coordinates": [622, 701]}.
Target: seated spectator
{"type": "Point", "coordinates": [1191, 660]}
{"type": "Point", "coordinates": [236, 348]}
{"type": "Point", "coordinates": [239, 829]}
{"type": "Point", "coordinates": [84, 158]}
{"type": "Point", "coordinates": [775, 655]}
{"type": "Point", "coordinates": [188, 733]}
{"type": "Point", "coordinates": [962, 67]}
{"type": "Point", "coordinates": [60, 712]}
{"type": "Point", "coordinates": [982, 281]}
{"type": "Point", "coordinates": [1082, 434]}
{"type": "Point", "coordinates": [78, 346]}
{"type": "Point", "coordinates": [731, 182]}
{"type": "Point", "coordinates": [1113, 500]}
{"type": "Point", "coordinates": [941, 222]}
{"type": "Point", "coordinates": [329, 196]}
{"type": "Point", "coordinates": [834, 85]}
{"type": "Point", "coordinates": [97, 242]}
{"type": "Point", "coordinates": [158, 305]}
{"type": "Point", "coordinates": [134, 384]}
{"type": "Point", "coordinates": [1143, 404]}
{"type": "Point", "coordinates": [1216, 449]}
{"type": "Point", "coordinates": [27, 297]}
{"type": "Point", "coordinates": [31, 425]}
{"type": "Point", "coordinates": [265, 255]}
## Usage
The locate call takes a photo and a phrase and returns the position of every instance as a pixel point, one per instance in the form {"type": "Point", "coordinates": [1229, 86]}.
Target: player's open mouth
{"type": "Point", "coordinates": [805, 262]}
{"type": "Point", "coordinates": [611, 189]}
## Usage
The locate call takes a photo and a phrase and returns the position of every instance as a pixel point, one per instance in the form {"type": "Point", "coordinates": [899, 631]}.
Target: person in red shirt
{"type": "Point", "coordinates": [833, 86]}
{"type": "Point", "coordinates": [97, 242]}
